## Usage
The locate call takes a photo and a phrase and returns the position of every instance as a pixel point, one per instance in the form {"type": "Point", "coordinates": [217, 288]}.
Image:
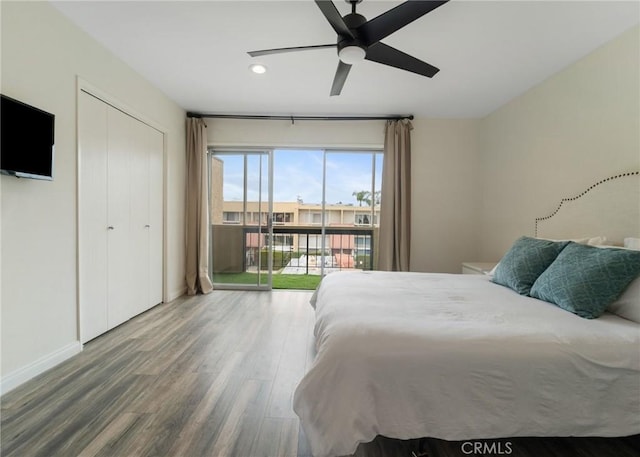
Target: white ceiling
{"type": "Point", "coordinates": [488, 52]}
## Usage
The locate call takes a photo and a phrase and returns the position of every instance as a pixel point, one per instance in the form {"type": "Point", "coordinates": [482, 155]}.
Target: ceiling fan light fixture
{"type": "Point", "coordinates": [258, 68]}
{"type": "Point", "coordinates": [352, 54]}
{"type": "Point", "coordinates": [359, 39]}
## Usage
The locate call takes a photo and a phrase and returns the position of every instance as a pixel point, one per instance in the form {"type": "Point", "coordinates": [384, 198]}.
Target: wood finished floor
{"type": "Point", "coordinates": [205, 376]}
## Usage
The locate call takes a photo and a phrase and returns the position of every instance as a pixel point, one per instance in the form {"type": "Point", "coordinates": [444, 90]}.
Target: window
{"type": "Point", "coordinates": [259, 218]}
{"type": "Point", "coordinates": [230, 217]}
{"type": "Point", "coordinates": [353, 182]}
{"type": "Point", "coordinates": [282, 218]}
{"type": "Point", "coordinates": [363, 219]}
{"type": "Point", "coordinates": [363, 243]}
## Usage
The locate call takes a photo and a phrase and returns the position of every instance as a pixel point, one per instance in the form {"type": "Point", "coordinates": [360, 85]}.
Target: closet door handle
{"type": "Point", "coordinates": [111, 227]}
{"type": "Point", "coordinates": [147, 226]}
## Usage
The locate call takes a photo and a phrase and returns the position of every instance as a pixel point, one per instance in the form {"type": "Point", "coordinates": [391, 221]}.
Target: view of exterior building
{"type": "Point", "coordinates": [344, 248]}
{"type": "Point", "coordinates": [306, 239]}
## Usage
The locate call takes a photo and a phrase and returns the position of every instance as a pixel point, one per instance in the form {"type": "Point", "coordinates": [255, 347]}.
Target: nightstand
{"type": "Point", "coordinates": [477, 268]}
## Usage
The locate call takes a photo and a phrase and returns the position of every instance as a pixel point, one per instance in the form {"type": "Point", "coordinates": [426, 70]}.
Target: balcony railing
{"type": "Point", "coordinates": [295, 250]}
{"type": "Point", "coordinates": [307, 250]}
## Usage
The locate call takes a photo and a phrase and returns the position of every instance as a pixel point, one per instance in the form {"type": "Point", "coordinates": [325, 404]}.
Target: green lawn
{"type": "Point", "coordinates": [306, 282]}
{"type": "Point", "coordinates": [280, 281]}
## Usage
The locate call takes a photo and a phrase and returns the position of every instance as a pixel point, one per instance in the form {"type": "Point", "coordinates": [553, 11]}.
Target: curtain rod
{"type": "Point", "coordinates": [301, 118]}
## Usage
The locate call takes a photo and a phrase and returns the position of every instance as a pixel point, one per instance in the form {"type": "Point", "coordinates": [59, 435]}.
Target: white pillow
{"type": "Point", "coordinates": [632, 243]}
{"type": "Point", "coordinates": [608, 246]}
{"type": "Point", "coordinates": [596, 240]}
{"type": "Point", "coordinates": [628, 304]}
{"type": "Point", "coordinates": [591, 241]}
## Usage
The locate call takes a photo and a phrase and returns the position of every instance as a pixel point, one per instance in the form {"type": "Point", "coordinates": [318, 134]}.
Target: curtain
{"type": "Point", "coordinates": [395, 214]}
{"type": "Point", "coordinates": [197, 212]}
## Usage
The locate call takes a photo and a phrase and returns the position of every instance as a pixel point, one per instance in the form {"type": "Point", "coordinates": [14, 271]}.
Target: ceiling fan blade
{"type": "Point", "coordinates": [386, 55]}
{"type": "Point", "coordinates": [384, 25]}
{"type": "Point", "coordinates": [333, 16]}
{"type": "Point", "coordinates": [341, 76]}
{"type": "Point", "coordinates": [265, 52]}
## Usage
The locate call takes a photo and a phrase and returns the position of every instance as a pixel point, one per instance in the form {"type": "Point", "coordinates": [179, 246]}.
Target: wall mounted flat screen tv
{"type": "Point", "coordinates": [26, 140]}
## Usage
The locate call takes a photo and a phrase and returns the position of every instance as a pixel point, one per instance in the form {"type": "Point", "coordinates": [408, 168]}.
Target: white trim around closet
{"type": "Point", "coordinates": [87, 87]}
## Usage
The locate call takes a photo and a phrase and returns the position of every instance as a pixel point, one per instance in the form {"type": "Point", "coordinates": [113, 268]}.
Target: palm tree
{"type": "Point", "coordinates": [362, 196]}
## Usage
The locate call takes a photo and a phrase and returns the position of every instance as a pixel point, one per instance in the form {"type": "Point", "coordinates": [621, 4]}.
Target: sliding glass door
{"type": "Point", "coordinates": [241, 208]}
{"type": "Point", "coordinates": [292, 215]}
{"type": "Point", "coordinates": [326, 209]}
{"type": "Point", "coordinates": [352, 189]}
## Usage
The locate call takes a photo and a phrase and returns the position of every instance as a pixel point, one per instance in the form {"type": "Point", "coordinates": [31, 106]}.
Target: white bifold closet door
{"type": "Point", "coordinates": [120, 217]}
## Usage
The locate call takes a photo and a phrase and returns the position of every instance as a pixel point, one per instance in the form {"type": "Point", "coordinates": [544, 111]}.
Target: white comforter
{"type": "Point", "coordinates": [456, 357]}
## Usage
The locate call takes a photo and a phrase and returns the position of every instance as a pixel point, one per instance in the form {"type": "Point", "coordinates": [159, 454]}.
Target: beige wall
{"type": "Point", "coordinates": [42, 54]}
{"type": "Point", "coordinates": [579, 126]}
{"type": "Point", "coordinates": [444, 166]}
{"type": "Point", "coordinates": [446, 194]}
{"type": "Point", "coordinates": [321, 134]}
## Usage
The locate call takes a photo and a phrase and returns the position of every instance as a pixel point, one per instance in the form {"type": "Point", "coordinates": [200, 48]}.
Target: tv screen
{"type": "Point", "coordinates": [26, 140]}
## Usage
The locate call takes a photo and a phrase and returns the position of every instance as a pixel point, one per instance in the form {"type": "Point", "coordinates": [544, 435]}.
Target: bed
{"type": "Point", "coordinates": [458, 357]}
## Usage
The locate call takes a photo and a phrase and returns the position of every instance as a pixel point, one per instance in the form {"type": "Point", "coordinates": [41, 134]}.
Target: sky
{"type": "Point", "coordinates": [298, 174]}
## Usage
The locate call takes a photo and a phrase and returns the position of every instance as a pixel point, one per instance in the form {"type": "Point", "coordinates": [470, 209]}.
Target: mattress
{"type": "Point", "coordinates": [456, 357]}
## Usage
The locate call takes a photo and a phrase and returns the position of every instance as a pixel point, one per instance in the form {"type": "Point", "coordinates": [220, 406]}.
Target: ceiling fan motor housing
{"type": "Point", "coordinates": [352, 21]}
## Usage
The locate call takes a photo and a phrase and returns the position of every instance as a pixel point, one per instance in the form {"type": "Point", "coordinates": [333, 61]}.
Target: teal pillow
{"type": "Point", "coordinates": [525, 261]}
{"type": "Point", "coordinates": [585, 279]}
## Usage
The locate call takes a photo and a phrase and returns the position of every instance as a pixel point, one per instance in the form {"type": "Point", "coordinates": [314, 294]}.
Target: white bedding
{"type": "Point", "coordinates": [456, 357]}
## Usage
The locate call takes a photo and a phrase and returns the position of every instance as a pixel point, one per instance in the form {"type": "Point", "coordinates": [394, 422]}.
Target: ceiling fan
{"type": "Point", "coordinates": [359, 39]}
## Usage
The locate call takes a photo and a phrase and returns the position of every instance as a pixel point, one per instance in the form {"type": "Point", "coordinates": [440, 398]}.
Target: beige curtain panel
{"type": "Point", "coordinates": [395, 214]}
{"type": "Point", "coordinates": [197, 216]}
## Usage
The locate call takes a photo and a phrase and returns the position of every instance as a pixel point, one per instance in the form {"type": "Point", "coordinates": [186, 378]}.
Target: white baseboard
{"type": "Point", "coordinates": [176, 293]}
{"type": "Point", "coordinates": [21, 375]}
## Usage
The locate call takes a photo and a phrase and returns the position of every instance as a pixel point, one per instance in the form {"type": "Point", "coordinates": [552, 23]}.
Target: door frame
{"type": "Point", "coordinates": [245, 152]}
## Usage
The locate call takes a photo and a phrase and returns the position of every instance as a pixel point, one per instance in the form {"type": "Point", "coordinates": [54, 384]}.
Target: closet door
{"type": "Point", "coordinates": [121, 144]}
{"type": "Point", "coordinates": [139, 208]}
{"type": "Point", "coordinates": [120, 216]}
{"type": "Point", "coordinates": [156, 216]}
{"type": "Point", "coordinates": [92, 223]}
{"type": "Point", "coordinates": [146, 218]}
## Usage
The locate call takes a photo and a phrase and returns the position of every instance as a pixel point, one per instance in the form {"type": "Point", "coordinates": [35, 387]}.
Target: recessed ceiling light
{"type": "Point", "coordinates": [257, 68]}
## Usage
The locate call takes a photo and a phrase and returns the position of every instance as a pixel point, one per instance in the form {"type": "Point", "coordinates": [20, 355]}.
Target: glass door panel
{"type": "Point", "coordinates": [352, 194]}
{"type": "Point", "coordinates": [240, 213]}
